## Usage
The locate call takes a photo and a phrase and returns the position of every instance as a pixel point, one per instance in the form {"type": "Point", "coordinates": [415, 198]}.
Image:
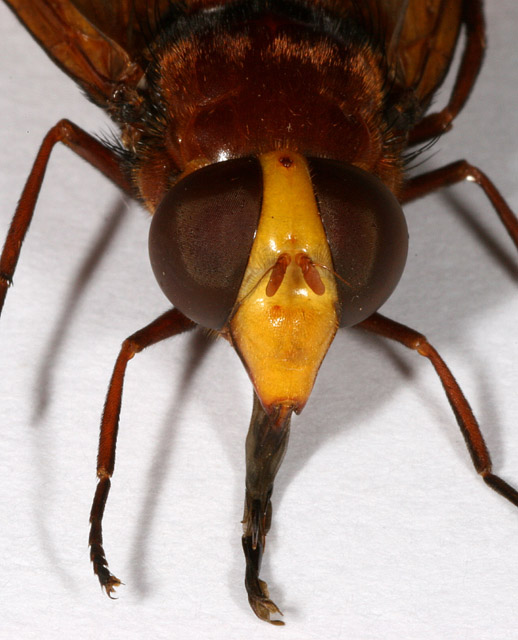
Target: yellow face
{"type": "Point", "coordinates": [285, 315]}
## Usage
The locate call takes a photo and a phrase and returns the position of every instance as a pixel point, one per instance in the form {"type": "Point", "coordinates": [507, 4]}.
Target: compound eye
{"type": "Point", "coordinates": [201, 236]}
{"type": "Point", "coordinates": [367, 235]}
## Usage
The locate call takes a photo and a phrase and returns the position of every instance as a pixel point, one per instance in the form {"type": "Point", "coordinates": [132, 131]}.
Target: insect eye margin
{"type": "Point", "coordinates": [367, 235]}
{"type": "Point", "coordinates": [201, 236]}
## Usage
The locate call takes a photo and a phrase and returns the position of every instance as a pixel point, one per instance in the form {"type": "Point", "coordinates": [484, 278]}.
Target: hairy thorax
{"type": "Point", "coordinates": [273, 85]}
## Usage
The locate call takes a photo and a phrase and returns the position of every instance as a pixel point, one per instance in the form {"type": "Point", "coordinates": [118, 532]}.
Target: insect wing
{"type": "Point", "coordinates": [129, 23]}
{"type": "Point", "coordinates": [87, 51]}
{"type": "Point", "coordinates": [424, 43]}
{"type": "Point", "coordinates": [418, 38]}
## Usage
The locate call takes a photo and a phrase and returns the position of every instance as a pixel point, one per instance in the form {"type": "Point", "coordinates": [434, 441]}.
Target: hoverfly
{"type": "Point", "coordinates": [237, 114]}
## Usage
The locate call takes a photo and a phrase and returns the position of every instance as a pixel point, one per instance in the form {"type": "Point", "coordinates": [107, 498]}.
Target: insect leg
{"type": "Point", "coordinates": [436, 123]}
{"type": "Point", "coordinates": [167, 325]}
{"type": "Point", "coordinates": [86, 146]}
{"type": "Point", "coordinates": [456, 172]}
{"type": "Point", "coordinates": [468, 424]}
{"type": "Point", "coordinates": [265, 448]}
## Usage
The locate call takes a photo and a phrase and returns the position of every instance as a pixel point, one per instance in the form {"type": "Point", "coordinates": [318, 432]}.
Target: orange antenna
{"type": "Point", "coordinates": [311, 275]}
{"type": "Point", "coordinates": [277, 274]}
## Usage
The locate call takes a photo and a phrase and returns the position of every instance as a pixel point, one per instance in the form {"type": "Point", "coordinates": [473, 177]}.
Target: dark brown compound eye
{"type": "Point", "coordinates": [367, 235]}
{"type": "Point", "coordinates": [201, 236]}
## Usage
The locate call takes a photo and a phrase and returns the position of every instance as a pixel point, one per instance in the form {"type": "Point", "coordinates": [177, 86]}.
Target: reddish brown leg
{"type": "Point", "coordinates": [84, 145]}
{"type": "Point", "coordinates": [167, 325]}
{"type": "Point", "coordinates": [436, 123]}
{"type": "Point", "coordinates": [387, 328]}
{"type": "Point", "coordinates": [266, 445]}
{"type": "Point", "coordinates": [456, 172]}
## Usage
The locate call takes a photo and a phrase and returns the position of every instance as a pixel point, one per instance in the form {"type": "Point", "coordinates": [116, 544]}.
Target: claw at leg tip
{"type": "Point", "coordinates": [110, 586]}
{"type": "Point", "coordinates": [264, 609]}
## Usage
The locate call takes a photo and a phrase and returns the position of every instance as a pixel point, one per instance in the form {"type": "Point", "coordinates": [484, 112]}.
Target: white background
{"type": "Point", "coordinates": [381, 527]}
